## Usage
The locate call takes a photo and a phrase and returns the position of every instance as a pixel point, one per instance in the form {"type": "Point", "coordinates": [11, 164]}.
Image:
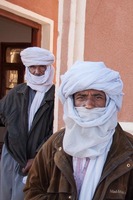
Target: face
{"type": "Point", "coordinates": [37, 70]}
{"type": "Point", "coordinates": [90, 99]}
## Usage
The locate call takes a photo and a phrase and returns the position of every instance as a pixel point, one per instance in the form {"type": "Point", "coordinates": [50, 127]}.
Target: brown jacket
{"type": "Point", "coordinates": [51, 176]}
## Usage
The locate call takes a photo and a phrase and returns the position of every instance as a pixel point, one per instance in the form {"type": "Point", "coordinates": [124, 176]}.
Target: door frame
{"type": "Point", "coordinates": [36, 28]}
{"type": "Point", "coordinates": [43, 27]}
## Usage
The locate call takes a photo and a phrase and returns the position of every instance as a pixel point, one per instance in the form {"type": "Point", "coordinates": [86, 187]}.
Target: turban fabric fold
{"type": "Point", "coordinates": [85, 75]}
{"type": "Point", "coordinates": [36, 56]}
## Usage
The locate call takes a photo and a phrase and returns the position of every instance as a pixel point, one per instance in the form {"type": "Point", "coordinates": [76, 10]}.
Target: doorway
{"type": "Point", "coordinates": [11, 67]}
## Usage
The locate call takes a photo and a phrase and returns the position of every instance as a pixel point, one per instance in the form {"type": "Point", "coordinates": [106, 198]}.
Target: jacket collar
{"type": "Point", "coordinates": [48, 96]}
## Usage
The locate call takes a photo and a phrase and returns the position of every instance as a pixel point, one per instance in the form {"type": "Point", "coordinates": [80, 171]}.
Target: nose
{"type": "Point", "coordinates": [89, 104]}
{"type": "Point", "coordinates": [37, 71]}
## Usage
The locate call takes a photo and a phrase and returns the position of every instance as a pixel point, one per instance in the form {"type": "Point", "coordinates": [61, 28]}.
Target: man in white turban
{"type": "Point", "coordinates": [92, 157]}
{"type": "Point", "coordinates": [27, 112]}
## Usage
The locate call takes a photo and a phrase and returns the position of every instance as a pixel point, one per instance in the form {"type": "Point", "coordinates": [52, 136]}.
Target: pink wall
{"type": "Point", "coordinates": [109, 38]}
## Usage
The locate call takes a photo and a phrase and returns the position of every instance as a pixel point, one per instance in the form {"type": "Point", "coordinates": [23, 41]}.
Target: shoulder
{"type": "Point", "coordinates": [51, 146]}
{"type": "Point", "coordinates": [57, 137]}
{"type": "Point", "coordinates": [54, 142]}
{"type": "Point", "coordinates": [50, 93]}
{"type": "Point", "coordinates": [21, 87]}
{"type": "Point", "coordinates": [18, 88]}
{"type": "Point", "coordinates": [125, 136]}
{"type": "Point", "coordinates": [120, 130]}
{"type": "Point", "coordinates": [52, 89]}
{"type": "Point", "coordinates": [11, 95]}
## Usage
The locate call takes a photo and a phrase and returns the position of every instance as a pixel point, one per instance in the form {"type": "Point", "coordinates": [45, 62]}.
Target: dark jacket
{"type": "Point", "coordinates": [21, 144]}
{"type": "Point", "coordinates": [51, 175]}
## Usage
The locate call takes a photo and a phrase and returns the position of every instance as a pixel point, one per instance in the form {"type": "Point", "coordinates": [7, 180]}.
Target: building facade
{"type": "Point", "coordinates": [95, 30]}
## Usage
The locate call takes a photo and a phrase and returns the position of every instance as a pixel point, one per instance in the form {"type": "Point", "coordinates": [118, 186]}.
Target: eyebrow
{"type": "Point", "coordinates": [99, 94]}
{"type": "Point", "coordinates": [95, 95]}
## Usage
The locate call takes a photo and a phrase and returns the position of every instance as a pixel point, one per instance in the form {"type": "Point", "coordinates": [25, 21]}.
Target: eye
{"type": "Point", "coordinates": [32, 67]}
{"type": "Point", "coordinates": [81, 98]}
{"type": "Point", "coordinates": [43, 67]}
{"type": "Point", "coordinates": [99, 97]}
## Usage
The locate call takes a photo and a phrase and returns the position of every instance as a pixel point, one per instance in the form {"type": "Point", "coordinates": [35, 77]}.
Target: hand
{"type": "Point", "coordinates": [28, 166]}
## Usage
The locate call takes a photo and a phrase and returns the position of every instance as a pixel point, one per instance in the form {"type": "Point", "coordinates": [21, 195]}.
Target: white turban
{"type": "Point", "coordinates": [91, 75]}
{"type": "Point", "coordinates": [36, 56]}
{"type": "Point", "coordinates": [97, 123]}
